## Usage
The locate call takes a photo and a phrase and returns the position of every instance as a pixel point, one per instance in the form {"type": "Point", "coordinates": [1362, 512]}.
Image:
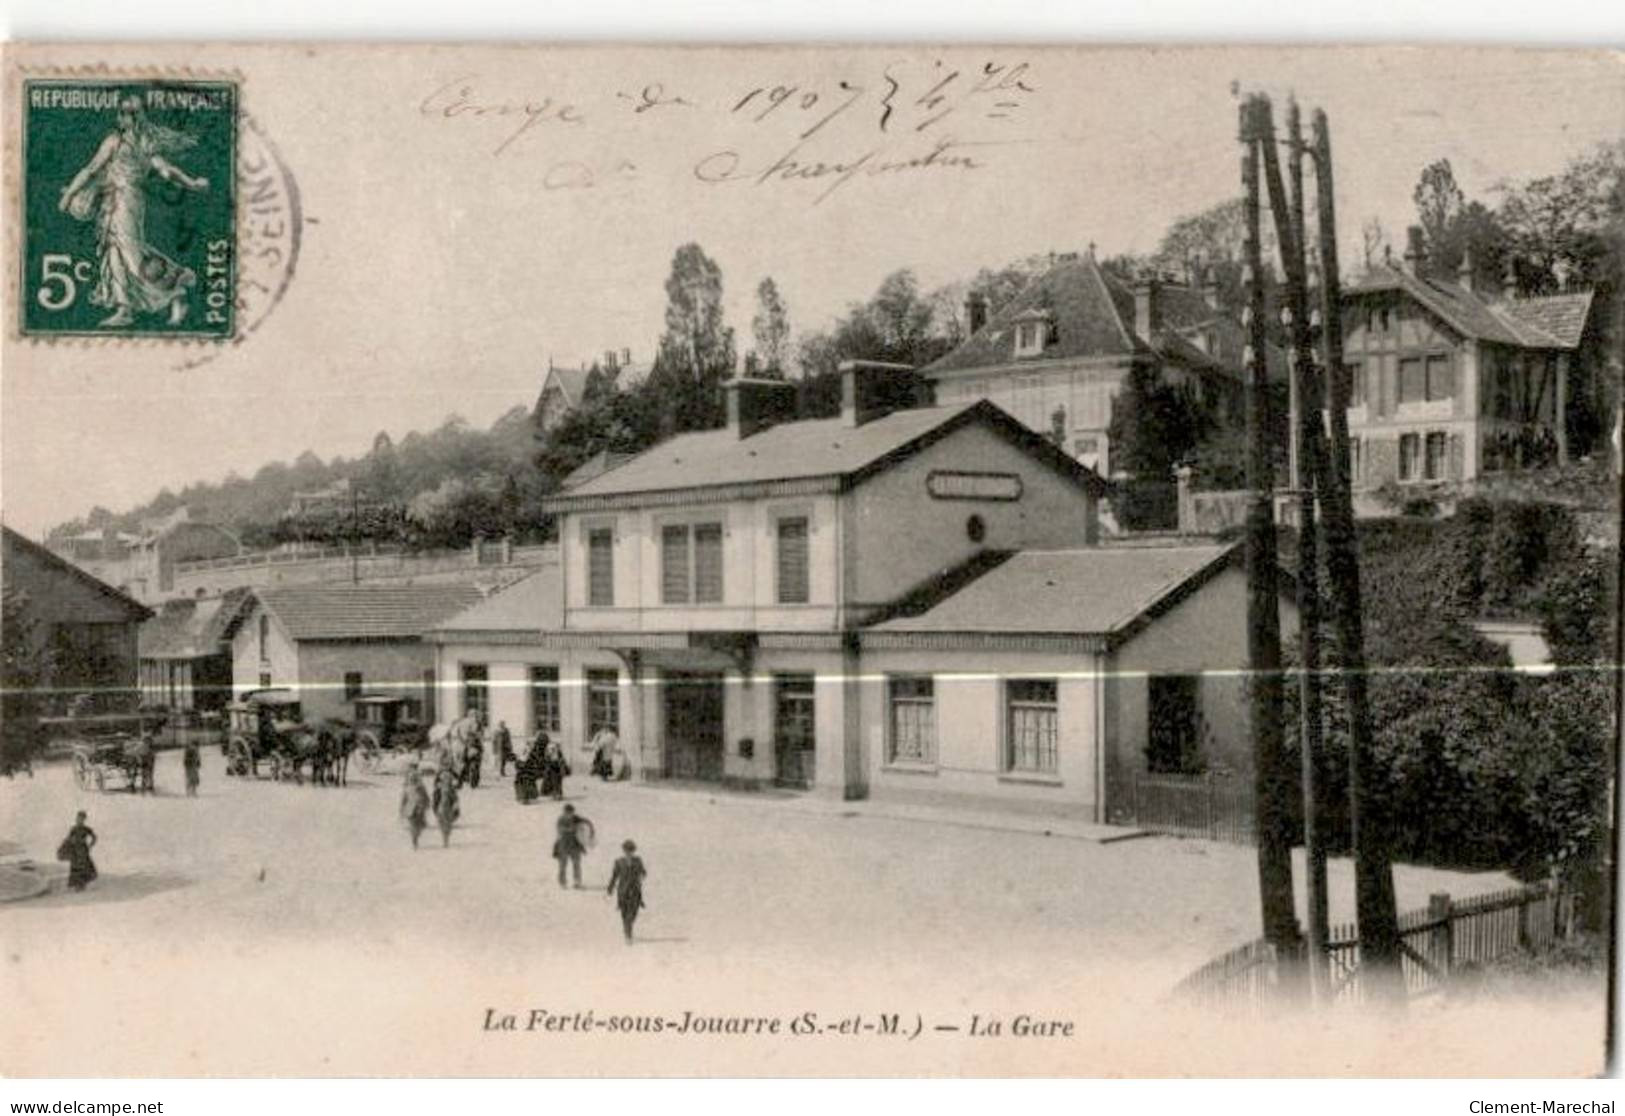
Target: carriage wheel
{"type": "Point", "coordinates": [81, 770]}
{"type": "Point", "coordinates": [371, 750]}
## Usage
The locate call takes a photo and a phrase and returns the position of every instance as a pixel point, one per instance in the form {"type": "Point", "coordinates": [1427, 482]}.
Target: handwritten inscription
{"type": "Point", "coordinates": [901, 118]}
{"type": "Point", "coordinates": [460, 98]}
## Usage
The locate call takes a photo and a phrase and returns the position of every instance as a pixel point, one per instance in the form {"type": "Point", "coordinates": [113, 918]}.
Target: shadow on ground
{"type": "Point", "coordinates": [111, 888]}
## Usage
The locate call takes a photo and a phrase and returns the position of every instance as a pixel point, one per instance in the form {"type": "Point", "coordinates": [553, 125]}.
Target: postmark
{"type": "Point", "coordinates": [129, 208]}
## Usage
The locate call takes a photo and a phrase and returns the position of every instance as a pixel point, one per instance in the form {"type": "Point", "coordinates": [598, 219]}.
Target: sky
{"type": "Point", "coordinates": [453, 242]}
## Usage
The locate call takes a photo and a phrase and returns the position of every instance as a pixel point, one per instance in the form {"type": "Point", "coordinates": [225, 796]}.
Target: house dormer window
{"type": "Point", "coordinates": [1032, 333]}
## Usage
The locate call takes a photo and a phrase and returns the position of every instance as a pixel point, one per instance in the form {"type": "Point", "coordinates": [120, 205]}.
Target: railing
{"type": "Point", "coordinates": [1216, 807]}
{"type": "Point", "coordinates": [1435, 942]}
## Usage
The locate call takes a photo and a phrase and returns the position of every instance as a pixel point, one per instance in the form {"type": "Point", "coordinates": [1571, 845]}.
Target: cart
{"type": "Point", "coordinates": [387, 727]}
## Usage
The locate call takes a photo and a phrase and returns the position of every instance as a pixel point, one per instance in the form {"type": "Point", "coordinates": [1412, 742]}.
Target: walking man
{"type": "Point", "coordinates": [192, 763]}
{"type": "Point", "coordinates": [626, 884]}
{"type": "Point", "coordinates": [569, 847]}
{"type": "Point", "coordinates": [502, 746]}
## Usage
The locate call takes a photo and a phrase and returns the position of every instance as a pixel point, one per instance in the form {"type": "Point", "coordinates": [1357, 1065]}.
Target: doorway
{"type": "Point", "coordinates": [694, 729]}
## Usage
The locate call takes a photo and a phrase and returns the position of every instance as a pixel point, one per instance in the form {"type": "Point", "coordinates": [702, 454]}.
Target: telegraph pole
{"type": "Point", "coordinates": [1375, 907]}
{"type": "Point", "coordinates": [1309, 458]}
{"type": "Point", "coordinates": [1272, 781]}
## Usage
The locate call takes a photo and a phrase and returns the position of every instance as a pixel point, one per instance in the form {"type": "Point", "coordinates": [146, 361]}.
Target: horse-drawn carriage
{"type": "Point", "coordinates": [105, 748]}
{"type": "Point", "coordinates": [386, 727]}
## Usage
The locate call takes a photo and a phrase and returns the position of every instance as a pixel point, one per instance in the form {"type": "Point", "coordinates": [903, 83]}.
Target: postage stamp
{"type": "Point", "coordinates": [129, 207]}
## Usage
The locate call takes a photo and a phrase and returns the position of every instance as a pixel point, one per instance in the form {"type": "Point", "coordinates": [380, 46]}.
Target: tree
{"type": "Point", "coordinates": [771, 330]}
{"type": "Point", "coordinates": [1438, 199]}
{"type": "Point", "coordinates": [696, 352]}
{"type": "Point", "coordinates": [24, 667]}
{"type": "Point", "coordinates": [1208, 246]}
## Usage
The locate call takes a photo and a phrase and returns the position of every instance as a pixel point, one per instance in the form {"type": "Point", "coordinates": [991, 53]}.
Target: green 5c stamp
{"type": "Point", "coordinates": [128, 208]}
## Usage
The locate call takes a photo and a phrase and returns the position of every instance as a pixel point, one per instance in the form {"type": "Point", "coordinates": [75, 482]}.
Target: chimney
{"type": "Point", "coordinates": [626, 358]}
{"type": "Point", "coordinates": [872, 389]}
{"type": "Point", "coordinates": [1416, 253]}
{"type": "Point", "coordinates": [754, 405]}
{"type": "Point", "coordinates": [609, 360]}
{"type": "Point", "coordinates": [1148, 306]}
{"type": "Point", "coordinates": [976, 311]}
{"type": "Point", "coordinates": [1464, 273]}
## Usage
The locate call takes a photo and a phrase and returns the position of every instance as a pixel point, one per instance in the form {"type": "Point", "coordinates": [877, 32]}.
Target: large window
{"type": "Point", "coordinates": [1441, 380]}
{"type": "Point", "coordinates": [793, 729]}
{"type": "Point", "coordinates": [476, 695]}
{"type": "Point", "coordinates": [912, 735]}
{"type": "Point", "coordinates": [792, 560]}
{"type": "Point", "coordinates": [603, 701]}
{"type": "Point", "coordinates": [1410, 455]}
{"type": "Point", "coordinates": [1412, 380]}
{"type": "Point", "coordinates": [1438, 453]}
{"type": "Point", "coordinates": [691, 563]}
{"type": "Point", "coordinates": [601, 566]}
{"type": "Point", "coordinates": [1031, 723]}
{"type": "Point", "coordinates": [1174, 744]}
{"type": "Point", "coordinates": [544, 699]}
{"type": "Point", "coordinates": [1355, 371]}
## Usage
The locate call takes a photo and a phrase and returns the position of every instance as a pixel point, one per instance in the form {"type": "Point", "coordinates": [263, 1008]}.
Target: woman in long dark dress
{"type": "Point", "coordinates": [528, 770]}
{"type": "Point", "coordinates": [626, 884]}
{"type": "Point", "coordinates": [75, 850]}
{"type": "Point", "coordinates": [414, 804]}
{"type": "Point", "coordinates": [446, 807]}
{"type": "Point", "coordinates": [553, 771]}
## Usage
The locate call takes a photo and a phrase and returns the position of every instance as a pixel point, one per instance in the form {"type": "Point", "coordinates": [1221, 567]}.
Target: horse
{"type": "Point", "coordinates": [337, 741]}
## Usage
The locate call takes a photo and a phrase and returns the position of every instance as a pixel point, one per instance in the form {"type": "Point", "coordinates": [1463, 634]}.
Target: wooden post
{"type": "Point", "coordinates": [1376, 908]}
{"type": "Point", "coordinates": [1273, 779]}
{"type": "Point", "coordinates": [1308, 475]}
{"type": "Point", "coordinates": [1442, 943]}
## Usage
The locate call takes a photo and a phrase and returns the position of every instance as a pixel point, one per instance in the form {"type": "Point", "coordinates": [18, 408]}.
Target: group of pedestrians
{"type": "Point", "coordinates": [540, 773]}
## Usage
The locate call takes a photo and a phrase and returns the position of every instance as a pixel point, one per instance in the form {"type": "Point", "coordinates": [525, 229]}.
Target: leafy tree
{"type": "Point", "coordinates": [771, 330]}
{"type": "Point", "coordinates": [696, 352]}
{"type": "Point", "coordinates": [24, 666]}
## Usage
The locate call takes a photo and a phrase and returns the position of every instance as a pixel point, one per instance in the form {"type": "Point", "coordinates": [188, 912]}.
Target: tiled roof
{"type": "Point", "coordinates": [1098, 591]}
{"type": "Point", "coordinates": [815, 448]}
{"type": "Point", "coordinates": [1560, 317]}
{"type": "Point", "coordinates": [595, 466]}
{"type": "Point", "coordinates": [344, 610]}
{"type": "Point", "coordinates": [532, 604]}
{"type": "Point", "coordinates": [132, 607]}
{"type": "Point", "coordinates": [183, 629]}
{"type": "Point", "coordinates": [1552, 322]}
{"type": "Point", "coordinates": [1092, 319]}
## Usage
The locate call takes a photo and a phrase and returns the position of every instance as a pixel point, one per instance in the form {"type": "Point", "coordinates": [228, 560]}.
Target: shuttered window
{"type": "Point", "coordinates": [601, 566]}
{"type": "Point", "coordinates": [708, 563]}
{"type": "Point", "coordinates": [674, 565]}
{"type": "Point", "coordinates": [544, 698]}
{"type": "Point", "coordinates": [691, 563]}
{"type": "Point", "coordinates": [793, 588]}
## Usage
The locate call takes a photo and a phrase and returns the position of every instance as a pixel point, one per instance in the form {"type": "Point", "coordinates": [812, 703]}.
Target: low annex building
{"type": "Point", "coordinates": [331, 642]}
{"type": "Point", "coordinates": [893, 602]}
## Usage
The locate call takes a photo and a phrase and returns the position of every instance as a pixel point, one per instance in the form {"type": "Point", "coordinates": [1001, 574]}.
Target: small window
{"type": "Point", "coordinates": [475, 695]}
{"type": "Point", "coordinates": [1438, 449]}
{"type": "Point", "coordinates": [601, 567]}
{"type": "Point", "coordinates": [544, 699]}
{"type": "Point", "coordinates": [1441, 381]}
{"type": "Point", "coordinates": [1356, 462]}
{"type": "Point", "coordinates": [792, 560]}
{"type": "Point", "coordinates": [1412, 380]}
{"type": "Point", "coordinates": [352, 685]}
{"type": "Point", "coordinates": [1410, 452]}
{"type": "Point", "coordinates": [603, 701]}
{"type": "Point", "coordinates": [912, 721]}
{"type": "Point", "coordinates": [265, 636]}
{"type": "Point", "coordinates": [265, 679]}
{"type": "Point", "coordinates": [1029, 338]}
{"type": "Point", "coordinates": [1032, 732]}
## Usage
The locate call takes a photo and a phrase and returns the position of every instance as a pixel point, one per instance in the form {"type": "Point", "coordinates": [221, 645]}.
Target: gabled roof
{"type": "Point", "coordinates": [1549, 322]}
{"type": "Point", "coordinates": [826, 454]}
{"type": "Point", "coordinates": [349, 611]}
{"type": "Point", "coordinates": [191, 629]}
{"type": "Point", "coordinates": [1107, 592]}
{"type": "Point", "coordinates": [1092, 319]}
{"type": "Point", "coordinates": [136, 610]}
{"type": "Point", "coordinates": [531, 604]}
{"type": "Point", "coordinates": [571, 382]}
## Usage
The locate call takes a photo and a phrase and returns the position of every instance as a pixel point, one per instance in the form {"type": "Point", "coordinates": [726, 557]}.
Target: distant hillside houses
{"type": "Point", "coordinates": [564, 388]}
